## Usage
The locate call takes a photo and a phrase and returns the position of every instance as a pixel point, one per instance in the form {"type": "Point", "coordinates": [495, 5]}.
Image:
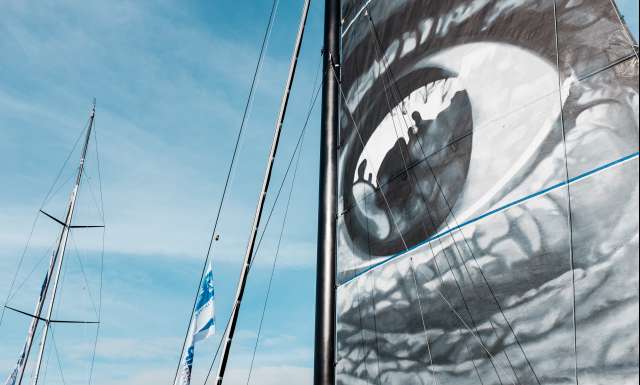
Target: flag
{"type": "Point", "coordinates": [13, 377]}
{"type": "Point", "coordinates": [202, 326]}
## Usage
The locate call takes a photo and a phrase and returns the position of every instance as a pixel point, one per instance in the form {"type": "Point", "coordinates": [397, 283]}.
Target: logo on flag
{"type": "Point", "coordinates": [202, 325]}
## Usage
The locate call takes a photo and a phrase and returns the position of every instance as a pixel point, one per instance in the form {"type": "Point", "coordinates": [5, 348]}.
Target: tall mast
{"type": "Point", "coordinates": [55, 266]}
{"type": "Point", "coordinates": [324, 360]}
{"type": "Point", "coordinates": [263, 195]}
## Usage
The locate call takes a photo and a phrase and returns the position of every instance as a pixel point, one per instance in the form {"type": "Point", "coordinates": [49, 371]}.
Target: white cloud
{"type": "Point", "coordinates": [271, 375]}
{"type": "Point", "coordinates": [170, 95]}
{"type": "Point", "coordinates": [163, 168]}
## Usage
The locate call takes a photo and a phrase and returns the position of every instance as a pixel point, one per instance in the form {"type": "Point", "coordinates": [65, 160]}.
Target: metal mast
{"type": "Point", "coordinates": [55, 266]}
{"type": "Point", "coordinates": [324, 361]}
{"type": "Point", "coordinates": [261, 199]}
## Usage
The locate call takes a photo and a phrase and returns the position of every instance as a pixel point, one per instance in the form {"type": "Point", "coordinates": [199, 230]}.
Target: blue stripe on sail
{"type": "Point", "coordinates": [492, 212]}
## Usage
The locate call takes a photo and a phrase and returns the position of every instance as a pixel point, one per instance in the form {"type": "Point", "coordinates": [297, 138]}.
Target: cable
{"type": "Point", "coordinates": [35, 221]}
{"type": "Point", "coordinates": [499, 306]}
{"type": "Point", "coordinates": [275, 260]}
{"type": "Point", "coordinates": [104, 229]}
{"type": "Point", "coordinates": [57, 354]}
{"type": "Point", "coordinates": [569, 216]}
{"type": "Point", "coordinates": [341, 91]}
{"type": "Point", "coordinates": [48, 252]}
{"type": "Point", "coordinates": [299, 148]}
{"type": "Point", "coordinates": [248, 104]}
{"type": "Point", "coordinates": [385, 75]}
{"type": "Point", "coordinates": [268, 220]}
{"type": "Point", "coordinates": [84, 275]}
{"type": "Point", "coordinates": [623, 24]}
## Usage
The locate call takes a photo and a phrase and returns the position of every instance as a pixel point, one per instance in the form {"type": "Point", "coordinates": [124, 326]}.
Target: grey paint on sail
{"type": "Point", "coordinates": [513, 97]}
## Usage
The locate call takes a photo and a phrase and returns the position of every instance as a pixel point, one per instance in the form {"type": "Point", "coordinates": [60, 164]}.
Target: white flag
{"type": "Point", "coordinates": [202, 326]}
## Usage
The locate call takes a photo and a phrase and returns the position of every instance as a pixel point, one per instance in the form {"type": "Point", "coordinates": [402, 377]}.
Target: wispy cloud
{"type": "Point", "coordinates": [170, 89]}
{"type": "Point", "coordinates": [157, 100]}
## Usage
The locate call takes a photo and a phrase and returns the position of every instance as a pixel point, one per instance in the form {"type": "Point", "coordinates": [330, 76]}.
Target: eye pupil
{"type": "Point", "coordinates": [403, 164]}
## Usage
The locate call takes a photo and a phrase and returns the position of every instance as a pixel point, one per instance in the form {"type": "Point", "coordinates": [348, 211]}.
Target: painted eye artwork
{"type": "Point", "coordinates": [394, 162]}
{"type": "Point", "coordinates": [487, 194]}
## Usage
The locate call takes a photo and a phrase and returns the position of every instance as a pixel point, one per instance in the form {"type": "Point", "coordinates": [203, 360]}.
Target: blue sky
{"type": "Point", "coordinates": [170, 80]}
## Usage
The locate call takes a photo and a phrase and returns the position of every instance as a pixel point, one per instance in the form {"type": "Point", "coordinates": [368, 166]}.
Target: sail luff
{"type": "Point", "coordinates": [55, 267]}
{"type": "Point", "coordinates": [263, 194]}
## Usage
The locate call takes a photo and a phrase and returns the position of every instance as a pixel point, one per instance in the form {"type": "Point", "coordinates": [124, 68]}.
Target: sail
{"type": "Point", "coordinates": [488, 193]}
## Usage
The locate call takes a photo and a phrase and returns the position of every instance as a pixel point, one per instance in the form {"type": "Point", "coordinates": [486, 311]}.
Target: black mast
{"type": "Point", "coordinates": [324, 361]}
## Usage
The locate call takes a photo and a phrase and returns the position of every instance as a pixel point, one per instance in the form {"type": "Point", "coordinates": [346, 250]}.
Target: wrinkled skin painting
{"type": "Point", "coordinates": [488, 194]}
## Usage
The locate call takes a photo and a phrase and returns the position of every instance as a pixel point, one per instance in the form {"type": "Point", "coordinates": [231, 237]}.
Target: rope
{"type": "Point", "coordinates": [275, 261]}
{"type": "Point", "coordinates": [299, 147]}
{"type": "Point", "coordinates": [413, 179]}
{"type": "Point", "coordinates": [49, 251]}
{"type": "Point", "coordinates": [264, 229]}
{"type": "Point", "coordinates": [84, 275]}
{"type": "Point", "coordinates": [57, 354]}
{"type": "Point", "coordinates": [99, 167]}
{"type": "Point", "coordinates": [569, 217]}
{"type": "Point", "coordinates": [341, 91]}
{"type": "Point", "coordinates": [35, 221]}
{"type": "Point", "coordinates": [248, 103]}
{"type": "Point", "coordinates": [623, 24]}
{"type": "Point", "coordinates": [372, 299]}
{"type": "Point", "coordinates": [499, 306]}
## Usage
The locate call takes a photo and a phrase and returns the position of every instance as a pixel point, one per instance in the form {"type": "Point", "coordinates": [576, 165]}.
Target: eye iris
{"type": "Point", "coordinates": [412, 168]}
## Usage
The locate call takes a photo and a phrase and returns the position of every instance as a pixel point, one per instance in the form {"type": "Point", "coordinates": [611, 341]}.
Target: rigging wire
{"type": "Point", "coordinates": [626, 32]}
{"type": "Point", "coordinates": [343, 96]}
{"type": "Point", "coordinates": [273, 266]}
{"type": "Point", "coordinates": [35, 222]}
{"type": "Point", "coordinates": [104, 229]}
{"type": "Point", "coordinates": [457, 283]}
{"type": "Point", "coordinates": [284, 220]}
{"type": "Point", "coordinates": [47, 253]}
{"type": "Point", "coordinates": [371, 292]}
{"type": "Point", "coordinates": [248, 103]}
{"type": "Point", "coordinates": [57, 354]}
{"type": "Point", "coordinates": [489, 287]}
{"type": "Point", "coordinates": [373, 307]}
{"type": "Point", "coordinates": [271, 211]}
{"type": "Point", "coordinates": [384, 198]}
{"type": "Point", "coordinates": [413, 178]}
{"type": "Point", "coordinates": [568, 208]}
{"type": "Point", "coordinates": [84, 275]}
